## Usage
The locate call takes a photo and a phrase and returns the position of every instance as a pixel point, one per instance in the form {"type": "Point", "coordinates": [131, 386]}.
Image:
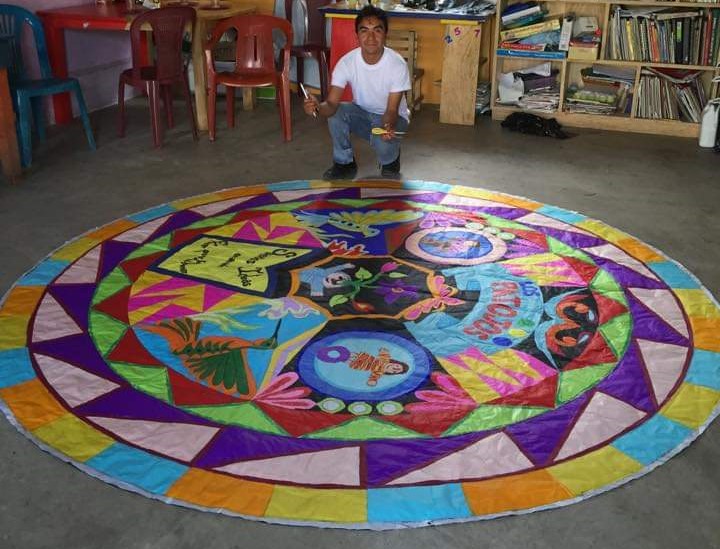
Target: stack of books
{"type": "Point", "coordinates": [585, 40]}
{"type": "Point", "coordinates": [526, 32]}
{"type": "Point", "coordinates": [603, 90]}
{"type": "Point", "coordinates": [671, 94]}
{"type": "Point", "coordinates": [661, 35]}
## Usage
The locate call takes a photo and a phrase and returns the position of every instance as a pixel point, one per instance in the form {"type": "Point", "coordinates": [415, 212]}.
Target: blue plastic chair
{"type": "Point", "coordinates": [27, 94]}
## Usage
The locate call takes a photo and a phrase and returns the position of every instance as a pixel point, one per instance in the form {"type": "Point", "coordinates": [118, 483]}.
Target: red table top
{"type": "Point", "coordinates": [115, 13]}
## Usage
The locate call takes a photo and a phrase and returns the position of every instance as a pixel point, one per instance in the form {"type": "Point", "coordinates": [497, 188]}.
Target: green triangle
{"type": "Point", "coordinates": [212, 221]}
{"type": "Point", "coordinates": [284, 206]}
{"type": "Point", "coordinates": [491, 417]}
{"type": "Point", "coordinates": [606, 285]}
{"type": "Point", "coordinates": [244, 415]}
{"type": "Point", "coordinates": [560, 248]}
{"type": "Point", "coordinates": [150, 380]}
{"type": "Point", "coordinates": [574, 382]}
{"type": "Point", "coordinates": [105, 331]}
{"type": "Point", "coordinates": [161, 244]}
{"type": "Point", "coordinates": [616, 332]}
{"type": "Point", "coordinates": [365, 428]}
{"type": "Point", "coordinates": [110, 285]}
{"type": "Point", "coordinates": [358, 202]}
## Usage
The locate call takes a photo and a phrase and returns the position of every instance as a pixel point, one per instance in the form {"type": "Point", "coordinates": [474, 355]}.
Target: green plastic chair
{"type": "Point", "coordinates": [28, 93]}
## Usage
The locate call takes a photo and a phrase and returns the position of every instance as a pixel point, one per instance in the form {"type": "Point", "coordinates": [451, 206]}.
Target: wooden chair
{"type": "Point", "coordinates": [405, 43]}
{"type": "Point", "coordinates": [314, 46]}
{"type": "Point", "coordinates": [255, 65]}
{"type": "Point", "coordinates": [168, 28]}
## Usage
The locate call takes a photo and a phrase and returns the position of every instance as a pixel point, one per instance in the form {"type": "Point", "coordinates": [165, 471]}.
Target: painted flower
{"type": "Point", "coordinates": [280, 308]}
{"type": "Point", "coordinates": [392, 290]}
{"type": "Point", "coordinates": [389, 266]}
{"type": "Point", "coordinates": [278, 393]}
{"type": "Point", "coordinates": [442, 297]}
{"type": "Point", "coordinates": [449, 395]}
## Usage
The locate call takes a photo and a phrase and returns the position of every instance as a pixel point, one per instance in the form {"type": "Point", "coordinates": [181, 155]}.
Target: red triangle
{"type": "Point", "coordinates": [244, 215]}
{"type": "Point", "coordinates": [430, 424]}
{"type": "Point", "coordinates": [324, 205]}
{"type": "Point", "coordinates": [535, 237]}
{"type": "Point", "coordinates": [540, 394]}
{"type": "Point", "coordinates": [135, 267]}
{"type": "Point", "coordinates": [586, 271]}
{"type": "Point", "coordinates": [393, 204]}
{"type": "Point", "coordinates": [186, 392]}
{"type": "Point", "coordinates": [301, 422]}
{"type": "Point", "coordinates": [395, 236]}
{"type": "Point", "coordinates": [183, 235]}
{"type": "Point", "coordinates": [129, 349]}
{"type": "Point", "coordinates": [596, 352]}
{"type": "Point", "coordinates": [608, 308]}
{"type": "Point", "coordinates": [116, 305]}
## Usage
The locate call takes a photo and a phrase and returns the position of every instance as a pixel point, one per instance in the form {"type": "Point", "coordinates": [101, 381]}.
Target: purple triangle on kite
{"type": "Point", "coordinates": [506, 213]}
{"type": "Point", "coordinates": [75, 299]}
{"type": "Point", "coordinates": [540, 436]}
{"type": "Point", "coordinates": [430, 198]}
{"type": "Point", "coordinates": [129, 403]}
{"type": "Point", "coordinates": [573, 239]}
{"type": "Point", "coordinates": [647, 325]}
{"type": "Point", "coordinates": [112, 253]}
{"type": "Point", "coordinates": [626, 277]}
{"type": "Point", "coordinates": [628, 381]}
{"type": "Point", "coordinates": [259, 200]}
{"type": "Point", "coordinates": [180, 220]}
{"type": "Point", "coordinates": [237, 444]}
{"type": "Point", "coordinates": [387, 460]}
{"type": "Point", "coordinates": [78, 350]}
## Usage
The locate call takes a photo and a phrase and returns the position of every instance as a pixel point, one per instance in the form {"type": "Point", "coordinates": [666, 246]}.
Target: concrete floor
{"type": "Point", "coordinates": [663, 190]}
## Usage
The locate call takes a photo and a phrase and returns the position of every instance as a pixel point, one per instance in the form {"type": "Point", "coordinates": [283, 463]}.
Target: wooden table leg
{"type": "Point", "coordinates": [9, 153]}
{"type": "Point", "coordinates": [249, 98]}
{"type": "Point", "coordinates": [198, 61]}
{"type": "Point", "coordinates": [55, 37]}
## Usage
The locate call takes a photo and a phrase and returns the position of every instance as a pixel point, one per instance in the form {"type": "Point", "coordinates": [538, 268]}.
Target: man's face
{"type": "Point", "coordinates": [371, 35]}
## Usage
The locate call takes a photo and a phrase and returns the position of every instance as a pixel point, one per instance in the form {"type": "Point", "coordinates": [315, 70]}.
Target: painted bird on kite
{"type": "Point", "coordinates": [357, 221]}
{"type": "Point", "coordinates": [221, 361]}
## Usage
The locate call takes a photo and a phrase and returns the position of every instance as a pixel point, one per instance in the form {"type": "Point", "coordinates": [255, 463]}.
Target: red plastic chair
{"type": "Point", "coordinates": [168, 28]}
{"type": "Point", "coordinates": [314, 46]}
{"type": "Point", "coordinates": [255, 65]}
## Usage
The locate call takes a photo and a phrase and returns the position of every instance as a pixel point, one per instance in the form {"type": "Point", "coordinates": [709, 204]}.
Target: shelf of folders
{"type": "Point", "coordinates": [644, 66]}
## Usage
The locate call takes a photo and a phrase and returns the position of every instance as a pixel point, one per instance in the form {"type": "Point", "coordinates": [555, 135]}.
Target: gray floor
{"type": "Point", "coordinates": [663, 190]}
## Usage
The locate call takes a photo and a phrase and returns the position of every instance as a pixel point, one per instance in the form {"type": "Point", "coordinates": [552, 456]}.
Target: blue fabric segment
{"type": "Point", "coordinates": [152, 213]}
{"type": "Point", "coordinates": [652, 440]}
{"type": "Point", "coordinates": [43, 273]}
{"type": "Point", "coordinates": [151, 473]}
{"type": "Point", "coordinates": [432, 186]}
{"type": "Point", "coordinates": [289, 185]}
{"type": "Point", "coordinates": [562, 215]}
{"type": "Point", "coordinates": [674, 275]}
{"type": "Point", "coordinates": [704, 369]}
{"type": "Point", "coordinates": [417, 503]}
{"type": "Point", "coordinates": [15, 367]}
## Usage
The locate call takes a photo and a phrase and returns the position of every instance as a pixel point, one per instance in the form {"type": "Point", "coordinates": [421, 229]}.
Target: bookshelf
{"type": "Point", "coordinates": [569, 70]}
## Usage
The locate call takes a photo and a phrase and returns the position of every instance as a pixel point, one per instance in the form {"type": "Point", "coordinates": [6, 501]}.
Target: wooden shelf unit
{"type": "Point", "coordinates": [569, 69]}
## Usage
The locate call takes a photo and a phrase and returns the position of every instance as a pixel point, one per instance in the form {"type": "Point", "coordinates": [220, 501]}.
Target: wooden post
{"type": "Point", "coordinates": [9, 153]}
{"type": "Point", "coordinates": [461, 60]}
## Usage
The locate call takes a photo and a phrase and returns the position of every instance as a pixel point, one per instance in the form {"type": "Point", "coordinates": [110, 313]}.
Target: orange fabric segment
{"type": "Point", "coordinates": [20, 303]}
{"type": "Point", "coordinates": [639, 250]}
{"type": "Point", "coordinates": [114, 228]}
{"type": "Point", "coordinates": [705, 333]}
{"type": "Point", "coordinates": [32, 404]}
{"type": "Point", "coordinates": [221, 491]}
{"type": "Point", "coordinates": [498, 495]}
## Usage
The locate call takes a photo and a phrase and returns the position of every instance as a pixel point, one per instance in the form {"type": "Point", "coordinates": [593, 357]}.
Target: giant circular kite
{"type": "Point", "coordinates": [368, 354]}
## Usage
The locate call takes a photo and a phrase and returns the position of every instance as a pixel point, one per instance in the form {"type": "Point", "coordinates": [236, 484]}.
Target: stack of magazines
{"type": "Point", "coordinates": [671, 94]}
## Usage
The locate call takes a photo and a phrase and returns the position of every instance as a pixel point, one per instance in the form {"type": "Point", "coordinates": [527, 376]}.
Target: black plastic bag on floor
{"type": "Point", "coordinates": [535, 125]}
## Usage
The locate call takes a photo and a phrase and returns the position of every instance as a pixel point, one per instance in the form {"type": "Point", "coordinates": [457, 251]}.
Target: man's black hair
{"type": "Point", "coordinates": [371, 11]}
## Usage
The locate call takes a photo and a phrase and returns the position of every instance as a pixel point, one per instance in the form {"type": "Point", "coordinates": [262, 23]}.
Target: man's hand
{"type": "Point", "coordinates": [311, 105]}
{"type": "Point", "coordinates": [389, 121]}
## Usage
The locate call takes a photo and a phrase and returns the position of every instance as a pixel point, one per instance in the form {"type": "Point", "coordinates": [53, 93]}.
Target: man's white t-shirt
{"type": "Point", "coordinates": [371, 84]}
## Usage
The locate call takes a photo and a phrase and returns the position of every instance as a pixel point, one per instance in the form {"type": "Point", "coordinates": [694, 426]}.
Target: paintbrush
{"type": "Point", "coordinates": [307, 96]}
{"type": "Point", "coordinates": [383, 131]}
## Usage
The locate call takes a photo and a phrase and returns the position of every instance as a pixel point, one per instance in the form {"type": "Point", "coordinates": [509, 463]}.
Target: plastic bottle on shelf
{"type": "Point", "coordinates": [709, 124]}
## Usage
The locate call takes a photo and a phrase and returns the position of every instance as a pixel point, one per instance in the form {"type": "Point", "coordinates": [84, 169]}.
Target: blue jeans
{"type": "Point", "coordinates": [350, 118]}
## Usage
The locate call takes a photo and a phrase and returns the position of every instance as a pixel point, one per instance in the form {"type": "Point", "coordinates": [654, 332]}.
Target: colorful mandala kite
{"type": "Point", "coordinates": [360, 355]}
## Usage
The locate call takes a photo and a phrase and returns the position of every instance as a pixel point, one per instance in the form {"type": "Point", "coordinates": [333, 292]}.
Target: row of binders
{"type": "Point", "coordinates": [659, 35]}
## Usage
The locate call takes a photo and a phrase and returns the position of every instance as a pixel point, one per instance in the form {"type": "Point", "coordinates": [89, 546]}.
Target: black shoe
{"type": "Point", "coordinates": [340, 171]}
{"type": "Point", "coordinates": [392, 170]}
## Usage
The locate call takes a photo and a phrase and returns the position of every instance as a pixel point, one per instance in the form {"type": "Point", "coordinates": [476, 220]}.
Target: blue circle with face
{"type": "Point", "coordinates": [378, 366]}
{"type": "Point", "coordinates": [455, 244]}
